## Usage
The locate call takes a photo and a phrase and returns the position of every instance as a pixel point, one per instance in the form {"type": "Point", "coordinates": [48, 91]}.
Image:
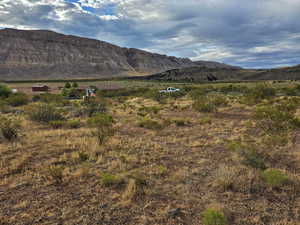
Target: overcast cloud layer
{"type": "Point", "coordinates": [253, 34]}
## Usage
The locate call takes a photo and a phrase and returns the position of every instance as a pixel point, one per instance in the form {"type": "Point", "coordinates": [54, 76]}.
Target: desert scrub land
{"type": "Point", "coordinates": [218, 154]}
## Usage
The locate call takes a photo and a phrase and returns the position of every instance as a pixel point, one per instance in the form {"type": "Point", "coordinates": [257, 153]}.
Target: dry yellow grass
{"type": "Point", "coordinates": [169, 175]}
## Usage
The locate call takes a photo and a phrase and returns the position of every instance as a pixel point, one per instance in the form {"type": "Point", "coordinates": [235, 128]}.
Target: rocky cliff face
{"type": "Point", "coordinates": [48, 55]}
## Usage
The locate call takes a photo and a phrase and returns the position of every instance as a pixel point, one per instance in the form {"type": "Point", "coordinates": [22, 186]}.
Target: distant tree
{"type": "Point", "coordinates": [5, 91]}
{"type": "Point", "coordinates": [67, 85]}
{"type": "Point", "coordinates": [75, 85]}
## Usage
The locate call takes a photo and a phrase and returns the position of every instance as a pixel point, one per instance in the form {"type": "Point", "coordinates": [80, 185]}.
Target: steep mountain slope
{"type": "Point", "coordinates": [46, 54]}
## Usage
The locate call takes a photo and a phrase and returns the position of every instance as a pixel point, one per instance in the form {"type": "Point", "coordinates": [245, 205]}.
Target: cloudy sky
{"type": "Point", "coordinates": [252, 34]}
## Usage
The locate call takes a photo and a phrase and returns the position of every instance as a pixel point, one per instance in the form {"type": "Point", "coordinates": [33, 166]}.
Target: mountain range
{"type": "Point", "coordinates": [43, 54]}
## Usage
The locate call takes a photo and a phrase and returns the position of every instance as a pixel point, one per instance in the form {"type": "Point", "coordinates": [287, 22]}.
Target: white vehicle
{"type": "Point", "coordinates": [169, 90]}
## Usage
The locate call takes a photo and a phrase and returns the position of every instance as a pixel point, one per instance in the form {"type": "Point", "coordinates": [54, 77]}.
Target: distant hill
{"type": "Point", "coordinates": [215, 65]}
{"type": "Point", "coordinates": [42, 54]}
{"type": "Point", "coordinates": [226, 73]}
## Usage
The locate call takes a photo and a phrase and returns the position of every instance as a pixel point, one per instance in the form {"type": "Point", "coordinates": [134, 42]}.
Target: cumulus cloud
{"type": "Point", "coordinates": [250, 34]}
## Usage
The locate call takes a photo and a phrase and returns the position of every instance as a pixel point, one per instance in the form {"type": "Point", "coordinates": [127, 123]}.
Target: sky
{"type": "Point", "coordinates": [251, 34]}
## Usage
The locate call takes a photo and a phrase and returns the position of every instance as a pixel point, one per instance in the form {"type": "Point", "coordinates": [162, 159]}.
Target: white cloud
{"type": "Point", "coordinates": [261, 32]}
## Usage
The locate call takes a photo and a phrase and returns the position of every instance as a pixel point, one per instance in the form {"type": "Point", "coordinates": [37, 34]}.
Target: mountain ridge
{"type": "Point", "coordinates": [45, 54]}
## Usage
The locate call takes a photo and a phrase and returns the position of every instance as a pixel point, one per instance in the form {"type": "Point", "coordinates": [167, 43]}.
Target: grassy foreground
{"type": "Point", "coordinates": [211, 154]}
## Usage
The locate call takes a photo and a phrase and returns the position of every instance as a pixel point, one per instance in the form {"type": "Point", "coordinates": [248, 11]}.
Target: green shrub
{"type": "Point", "coordinates": [17, 99]}
{"type": "Point", "coordinates": [156, 95]}
{"type": "Point", "coordinates": [275, 178]}
{"type": "Point", "coordinates": [197, 93]}
{"type": "Point", "coordinates": [253, 159]}
{"type": "Point", "coordinates": [151, 109]}
{"type": "Point", "coordinates": [108, 179]}
{"type": "Point", "coordinates": [43, 113]}
{"type": "Point", "coordinates": [150, 124]}
{"type": "Point", "coordinates": [259, 93]}
{"type": "Point", "coordinates": [56, 124]}
{"type": "Point", "coordinates": [250, 156]}
{"type": "Point", "coordinates": [205, 120]}
{"type": "Point", "coordinates": [4, 91]}
{"type": "Point", "coordinates": [219, 100]}
{"type": "Point", "coordinates": [213, 217]}
{"type": "Point", "coordinates": [205, 105]}
{"type": "Point", "coordinates": [95, 106]}
{"type": "Point", "coordinates": [180, 122]}
{"type": "Point", "coordinates": [74, 85]}
{"type": "Point", "coordinates": [48, 98]}
{"type": "Point", "coordinates": [9, 129]}
{"type": "Point", "coordinates": [276, 118]}
{"type": "Point", "coordinates": [74, 124]}
{"type": "Point", "coordinates": [72, 93]}
{"type": "Point", "coordinates": [68, 85]}
{"type": "Point", "coordinates": [104, 127]}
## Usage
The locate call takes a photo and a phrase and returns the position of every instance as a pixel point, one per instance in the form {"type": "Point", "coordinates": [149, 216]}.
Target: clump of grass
{"type": "Point", "coordinates": [44, 113]}
{"type": "Point", "coordinates": [213, 217]}
{"type": "Point", "coordinates": [103, 124]}
{"type": "Point", "coordinates": [95, 106]}
{"type": "Point", "coordinates": [151, 109]}
{"type": "Point", "coordinates": [250, 156]}
{"type": "Point", "coordinates": [55, 173]}
{"type": "Point", "coordinates": [108, 179]}
{"type": "Point", "coordinates": [205, 120]}
{"type": "Point", "coordinates": [80, 157]}
{"type": "Point", "coordinates": [134, 189]}
{"type": "Point", "coordinates": [219, 100]}
{"type": "Point", "coordinates": [205, 105]}
{"type": "Point", "coordinates": [180, 122]}
{"type": "Point", "coordinates": [50, 98]}
{"type": "Point", "coordinates": [9, 129]}
{"type": "Point", "coordinates": [17, 99]}
{"type": "Point", "coordinates": [149, 123]}
{"type": "Point", "coordinates": [277, 118]}
{"type": "Point", "coordinates": [74, 124]}
{"type": "Point", "coordinates": [57, 124]}
{"type": "Point", "coordinates": [225, 177]}
{"type": "Point", "coordinates": [275, 178]}
{"type": "Point", "coordinates": [258, 93]}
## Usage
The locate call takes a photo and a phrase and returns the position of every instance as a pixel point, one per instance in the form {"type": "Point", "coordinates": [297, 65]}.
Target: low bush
{"type": "Point", "coordinates": [108, 179]}
{"type": "Point", "coordinates": [249, 155]}
{"type": "Point", "coordinates": [44, 113]}
{"type": "Point", "coordinates": [5, 91]}
{"type": "Point", "coordinates": [205, 120]}
{"type": "Point", "coordinates": [276, 118]}
{"type": "Point", "coordinates": [225, 177]}
{"type": "Point", "coordinates": [104, 127]}
{"type": "Point", "coordinates": [205, 105]}
{"type": "Point", "coordinates": [275, 178]}
{"type": "Point", "coordinates": [213, 217]}
{"type": "Point", "coordinates": [74, 124]}
{"type": "Point", "coordinates": [9, 129]}
{"type": "Point", "coordinates": [149, 123]}
{"type": "Point", "coordinates": [57, 124]}
{"type": "Point", "coordinates": [49, 98]}
{"type": "Point", "coordinates": [151, 109]}
{"type": "Point", "coordinates": [95, 106]}
{"type": "Point", "coordinates": [180, 122]}
{"type": "Point", "coordinates": [17, 99]}
{"type": "Point", "coordinates": [258, 93]}
{"type": "Point", "coordinates": [219, 100]}
{"type": "Point", "coordinates": [197, 93]}
{"type": "Point", "coordinates": [55, 173]}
